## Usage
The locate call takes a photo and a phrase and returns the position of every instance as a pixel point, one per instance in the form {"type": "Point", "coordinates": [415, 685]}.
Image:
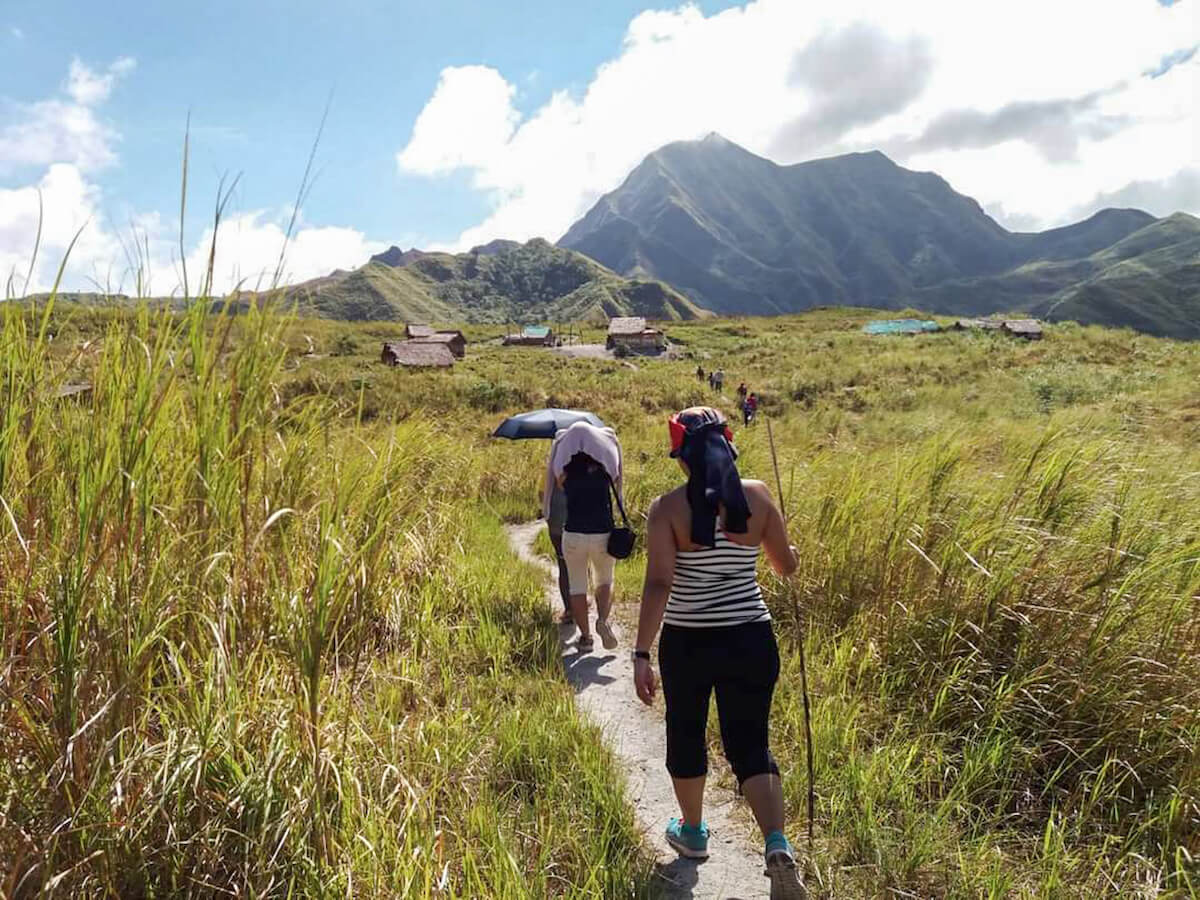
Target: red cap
{"type": "Point", "coordinates": [696, 418]}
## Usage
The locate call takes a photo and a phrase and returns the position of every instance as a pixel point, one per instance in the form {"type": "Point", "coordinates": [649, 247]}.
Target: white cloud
{"type": "Point", "coordinates": [247, 254]}
{"type": "Point", "coordinates": [469, 118]}
{"type": "Point", "coordinates": [87, 87]}
{"type": "Point", "coordinates": [68, 206]}
{"type": "Point", "coordinates": [108, 257]}
{"type": "Point", "coordinates": [67, 142]}
{"type": "Point", "coordinates": [1160, 198]}
{"type": "Point", "coordinates": [1031, 106]}
{"type": "Point", "coordinates": [51, 131]}
{"type": "Point", "coordinates": [56, 130]}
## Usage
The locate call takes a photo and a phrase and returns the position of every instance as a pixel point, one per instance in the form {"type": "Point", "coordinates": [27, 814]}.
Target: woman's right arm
{"type": "Point", "coordinates": [775, 537]}
{"type": "Point", "coordinates": [660, 572]}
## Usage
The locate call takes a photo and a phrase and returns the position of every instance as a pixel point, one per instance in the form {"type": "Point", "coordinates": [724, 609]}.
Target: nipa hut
{"type": "Point", "coordinates": [1029, 329]}
{"type": "Point", "coordinates": [630, 334]}
{"type": "Point", "coordinates": [417, 355]}
{"type": "Point", "coordinates": [531, 336]}
{"type": "Point", "coordinates": [452, 339]}
{"type": "Point", "coordinates": [413, 331]}
{"type": "Point", "coordinates": [978, 325]}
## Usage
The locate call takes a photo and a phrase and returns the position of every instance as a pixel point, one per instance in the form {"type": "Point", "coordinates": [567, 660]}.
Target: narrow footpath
{"type": "Point", "coordinates": [603, 683]}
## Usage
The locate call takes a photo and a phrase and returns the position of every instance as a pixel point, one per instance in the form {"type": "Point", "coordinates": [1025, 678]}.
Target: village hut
{"type": "Point", "coordinates": [630, 334]}
{"type": "Point", "coordinates": [978, 325]}
{"type": "Point", "coordinates": [417, 355]}
{"type": "Point", "coordinates": [531, 336]}
{"type": "Point", "coordinates": [455, 340]}
{"type": "Point", "coordinates": [1028, 329]}
{"type": "Point", "coordinates": [413, 331]}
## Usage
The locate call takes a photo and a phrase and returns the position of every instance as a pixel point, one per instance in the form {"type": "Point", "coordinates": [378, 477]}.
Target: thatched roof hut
{"type": "Point", "coordinates": [455, 340]}
{"type": "Point", "coordinates": [417, 355]}
{"type": "Point", "coordinates": [412, 331]}
{"type": "Point", "coordinates": [630, 333]}
{"type": "Point", "coordinates": [1029, 329]}
{"type": "Point", "coordinates": [978, 324]}
{"type": "Point", "coordinates": [531, 336]}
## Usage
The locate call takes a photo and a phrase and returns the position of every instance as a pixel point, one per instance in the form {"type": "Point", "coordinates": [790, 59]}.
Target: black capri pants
{"type": "Point", "coordinates": [739, 662]}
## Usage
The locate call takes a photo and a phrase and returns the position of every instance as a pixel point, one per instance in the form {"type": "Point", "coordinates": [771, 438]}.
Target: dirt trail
{"type": "Point", "coordinates": [603, 682]}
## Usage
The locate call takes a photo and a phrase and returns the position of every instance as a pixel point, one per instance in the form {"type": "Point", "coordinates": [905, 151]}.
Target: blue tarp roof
{"type": "Point", "coordinates": [536, 331]}
{"type": "Point", "coordinates": [900, 326]}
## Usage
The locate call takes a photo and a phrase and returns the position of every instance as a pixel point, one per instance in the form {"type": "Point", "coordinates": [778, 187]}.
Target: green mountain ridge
{"type": "Point", "coordinates": [739, 234]}
{"type": "Point", "coordinates": [1148, 280]}
{"type": "Point", "coordinates": [497, 282]}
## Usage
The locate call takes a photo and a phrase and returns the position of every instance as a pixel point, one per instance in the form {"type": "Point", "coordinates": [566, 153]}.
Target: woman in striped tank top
{"type": "Point", "coordinates": [702, 543]}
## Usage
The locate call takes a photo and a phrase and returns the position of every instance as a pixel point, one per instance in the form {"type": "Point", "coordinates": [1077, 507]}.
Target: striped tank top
{"type": "Point", "coordinates": [716, 587]}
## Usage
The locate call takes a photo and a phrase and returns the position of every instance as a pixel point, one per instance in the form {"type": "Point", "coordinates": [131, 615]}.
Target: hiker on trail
{"type": "Point", "coordinates": [702, 545]}
{"type": "Point", "coordinates": [719, 380]}
{"type": "Point", "coordinates": [699, 373]}
{"type": "Point", "coordinates": [554, 511]}
{"type": "Point", "coordinates": [587, 466]}
{"type": "Point", "coordinates": [749, 408]}
{"type": "Point", "coordinates": [741, 392]}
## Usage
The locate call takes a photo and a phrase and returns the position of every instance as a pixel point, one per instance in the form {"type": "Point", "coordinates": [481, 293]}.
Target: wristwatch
{"type": "Point", "coordinates": [635, 655]}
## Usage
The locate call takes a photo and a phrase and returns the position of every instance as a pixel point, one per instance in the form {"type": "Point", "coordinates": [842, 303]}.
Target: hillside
{"type": "Point", "coordinates": [1149, 280]}
{"type": "Point", "coordinates": [292, 606]}
{"type": "Point", "coordinates": [498, 282]}
{"type": "Point", "coordinates": [740, 234]}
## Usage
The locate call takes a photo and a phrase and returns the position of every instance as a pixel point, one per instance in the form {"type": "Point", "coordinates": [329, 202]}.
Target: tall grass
{"type": "Point", "coordinates": [1029, 636]}
{"type": "Point", "coordinates": [261, 632]}
{"type": "Point", "coordinates": [250, 648]}
{"type": "Point", "coordinates": [999, 582]}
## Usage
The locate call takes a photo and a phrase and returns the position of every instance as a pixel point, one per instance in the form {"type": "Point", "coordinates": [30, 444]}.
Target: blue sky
{"type": "Point", "coordinates": [256, 76]}
{"type": "Point", "coordinates": [454, 122]}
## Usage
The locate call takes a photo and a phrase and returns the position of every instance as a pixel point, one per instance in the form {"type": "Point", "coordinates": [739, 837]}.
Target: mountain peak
{"type": "Point", "coordinates": [491, 248]}
{"type": "Point", "coordinates": [397, 258]}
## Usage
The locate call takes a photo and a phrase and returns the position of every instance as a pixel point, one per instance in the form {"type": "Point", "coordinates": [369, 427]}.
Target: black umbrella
{"type": "Point", "coordinates": [543, 423]}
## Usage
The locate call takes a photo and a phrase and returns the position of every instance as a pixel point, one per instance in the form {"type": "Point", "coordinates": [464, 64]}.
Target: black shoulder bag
{"type": "Point", "coordinates": [620, 540]}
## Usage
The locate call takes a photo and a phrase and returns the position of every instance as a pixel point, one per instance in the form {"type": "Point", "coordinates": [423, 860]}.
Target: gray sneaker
{"type": "Point", "coordinates": [786, 880]}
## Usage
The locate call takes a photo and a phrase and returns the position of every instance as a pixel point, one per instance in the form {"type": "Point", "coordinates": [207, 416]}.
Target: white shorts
{"type": "Point", "coordinates": [581, 549]}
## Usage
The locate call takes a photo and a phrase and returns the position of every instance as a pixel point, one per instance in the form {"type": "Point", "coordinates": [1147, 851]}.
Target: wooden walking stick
{"type": "Point", "coordinates": [808, 739]}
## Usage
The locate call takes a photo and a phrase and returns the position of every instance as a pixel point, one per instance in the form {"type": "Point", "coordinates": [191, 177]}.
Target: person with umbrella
{"type": "Point", "coordinates": [542, 424]}
{"type": "Point", "coordinates": [586, 461]}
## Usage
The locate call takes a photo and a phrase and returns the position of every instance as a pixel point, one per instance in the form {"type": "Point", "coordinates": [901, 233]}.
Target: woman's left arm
{"type": "Point", "coordinates": [660, 572]}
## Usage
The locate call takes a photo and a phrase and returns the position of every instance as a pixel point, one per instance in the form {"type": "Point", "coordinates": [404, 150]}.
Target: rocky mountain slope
{"type": "Point", "coordinates": [739, 234]}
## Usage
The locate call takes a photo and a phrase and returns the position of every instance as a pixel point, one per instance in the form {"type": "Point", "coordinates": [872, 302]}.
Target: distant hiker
{"type": "Point", "coordinates": [699, 373]}
{"type": "Point", "coordinates": [712, 379]}
{"type": "Point", "coordinates": [702, 545]}
{"type": "Point", "coordinates": [719, 380]}
{"type": "Point", "coordinates": [749, 408]}
{"type": "Point", "coordinates": [741, 392]}
{"type": "Point", "coordinates": [587, 466]}
{"type": "Point", "coordinates": [554, 511]}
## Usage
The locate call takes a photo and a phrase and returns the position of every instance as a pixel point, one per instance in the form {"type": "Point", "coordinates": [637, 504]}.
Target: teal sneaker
{"type": "Point", "coordinates": [786, 883]}
{"type": "Point", "coordinates": [688, 841]}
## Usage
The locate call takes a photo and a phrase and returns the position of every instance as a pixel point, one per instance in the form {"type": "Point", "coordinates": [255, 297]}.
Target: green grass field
{"type": "Point", "coordinates": [260, 632]}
